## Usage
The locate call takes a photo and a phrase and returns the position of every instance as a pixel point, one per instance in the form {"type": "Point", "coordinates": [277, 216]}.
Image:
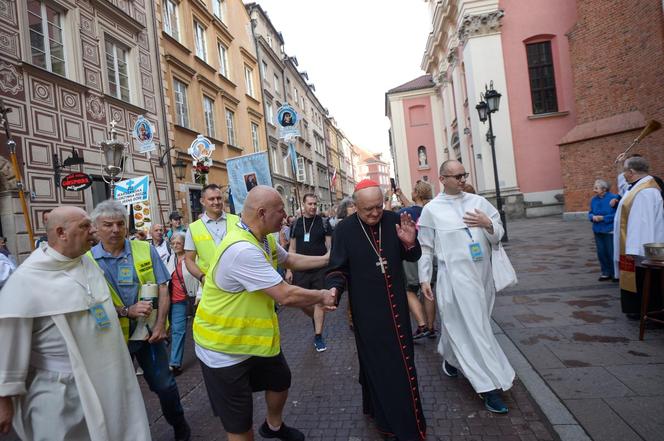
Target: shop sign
{"type": "Point", "coordinates": [76, 181]}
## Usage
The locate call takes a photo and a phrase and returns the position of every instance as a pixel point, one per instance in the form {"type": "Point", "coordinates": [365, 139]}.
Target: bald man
{"type": "Point", "coordinates": [236, 329]}
{"type": "Point", "coordinates": [69, 376]}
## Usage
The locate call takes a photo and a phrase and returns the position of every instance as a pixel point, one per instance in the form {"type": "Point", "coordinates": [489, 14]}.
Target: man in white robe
{"type": "Point", "coordinates": [639, 220]}
{"type": "Point", "coordinates": [459, 229]}
{"type": "Point", "coordinates": [65, 373]}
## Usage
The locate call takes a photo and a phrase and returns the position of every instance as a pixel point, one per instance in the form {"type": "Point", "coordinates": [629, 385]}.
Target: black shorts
{"type": "Point", "coordinates": [230, 388]}
{"type": "Point", "coordinates": [310, 279]}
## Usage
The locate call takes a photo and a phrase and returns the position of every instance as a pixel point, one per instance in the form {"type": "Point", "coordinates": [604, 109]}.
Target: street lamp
{"type": "Point", "coordinates": [180, 168]}
{"type": "Point", "coordinates": [490, 103]}
{"type": "Point", "coordinates": [112, 166]}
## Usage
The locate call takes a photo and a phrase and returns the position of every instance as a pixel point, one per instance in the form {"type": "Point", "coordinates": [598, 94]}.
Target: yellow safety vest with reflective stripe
{"type": "Point", "coordinates": [140, 252]}
{"type": "Point", "coordinates": [204, 242]}
{"type": "Point", "coordinates": [242, 323]}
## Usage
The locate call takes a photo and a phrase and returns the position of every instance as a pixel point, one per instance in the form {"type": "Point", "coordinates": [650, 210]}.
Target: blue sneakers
{"type": "Point", "coordinates": [493, 402]}
{"type": "Point", "coordinates": [319, 344]}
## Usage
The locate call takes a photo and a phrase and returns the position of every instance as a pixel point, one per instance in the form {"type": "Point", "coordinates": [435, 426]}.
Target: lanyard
{"type": "Point", "coordinates": [304, 224]}
{"type": "Point", "coordinates": [470, 235]}
{"type": "Point", "coordinates": [86, 286]}
{"type": "Point", "coordinates": [266, 244]}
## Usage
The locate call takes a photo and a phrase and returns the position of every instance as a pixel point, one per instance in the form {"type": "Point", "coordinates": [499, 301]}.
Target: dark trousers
{"type": "Point", "coordinates": [153, 359]}
{"type": "Point", "coordinates": [604, 243]}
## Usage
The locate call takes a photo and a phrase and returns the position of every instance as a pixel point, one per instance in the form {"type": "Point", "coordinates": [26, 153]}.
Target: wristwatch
{"type": "Point", "coordinates": [124, 312]}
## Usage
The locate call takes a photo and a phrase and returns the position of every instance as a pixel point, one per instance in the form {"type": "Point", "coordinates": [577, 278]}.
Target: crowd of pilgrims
{"type": "Point", "coordinates": [93, 289]}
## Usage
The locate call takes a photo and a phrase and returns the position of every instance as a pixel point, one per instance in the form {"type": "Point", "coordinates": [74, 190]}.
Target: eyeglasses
{"type": "Point", "coordinates": [458, 177]}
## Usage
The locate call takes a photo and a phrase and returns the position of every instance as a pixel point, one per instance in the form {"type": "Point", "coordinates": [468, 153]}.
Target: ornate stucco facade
{"type": "Point", "coordinates": [98, 65]}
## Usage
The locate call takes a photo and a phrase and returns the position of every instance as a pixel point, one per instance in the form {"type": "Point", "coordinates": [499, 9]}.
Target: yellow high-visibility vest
{"type": "Point", "coordinates": [204, 242]}
{"type": "Point", "coordinates": [242, 323]}
{"type": "Point", "coordinates": [140, 252]}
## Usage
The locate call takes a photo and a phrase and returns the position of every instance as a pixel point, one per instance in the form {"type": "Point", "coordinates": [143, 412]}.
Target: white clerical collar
{"type": "Point", "coordinates": [453, 196]}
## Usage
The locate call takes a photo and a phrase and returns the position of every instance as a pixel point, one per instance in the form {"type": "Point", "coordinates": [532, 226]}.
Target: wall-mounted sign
{"type": "Point", "coordinates": [132, 191]}
{"type": "Point", "coordinates": [287, 119]}
{"type": "Point", "coordinates": [201, 148]}
{"type": "Point", "coordinates": [76, 181]}
{"type": "Point", "coordinates": [144, 134]}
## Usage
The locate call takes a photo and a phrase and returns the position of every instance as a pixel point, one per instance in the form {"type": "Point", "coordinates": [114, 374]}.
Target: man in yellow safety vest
{"type": "Point", "coordinates": [205, 234]}
{"type": "Point", "coordinates": [236, 328]}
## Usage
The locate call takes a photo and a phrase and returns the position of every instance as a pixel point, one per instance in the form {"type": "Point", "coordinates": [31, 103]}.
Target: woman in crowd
{"type": "Point", "coordinates": [182, 287]}
{"type": "Point", "coordinates": [601, 215]}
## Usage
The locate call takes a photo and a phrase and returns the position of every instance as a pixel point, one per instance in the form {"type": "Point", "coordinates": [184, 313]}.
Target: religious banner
{"type": "Point", "coordinates": [144, 134]}
{"type": "Point", "coordinates": [132, 191]}
{"type": "Point", "coordinates": [246, 172]}
{"type": "Point", "coordinates": [287, 119]}
{"type": "Point", "coordinates": [200, 151]}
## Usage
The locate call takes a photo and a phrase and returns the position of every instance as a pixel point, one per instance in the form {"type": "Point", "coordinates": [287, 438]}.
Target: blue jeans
{"type": "Point", "coordinates": [153, 359]}
{"type": "Point", "coordinates": [178, 331]}
{"type": "Point", "coordinates": [604, 243]}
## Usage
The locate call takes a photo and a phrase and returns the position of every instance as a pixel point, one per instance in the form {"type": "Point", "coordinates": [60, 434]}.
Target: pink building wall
{"type": "Point", "coordinates": [535, 140]}
{"type": "Point", "coordinates": [419, 132]}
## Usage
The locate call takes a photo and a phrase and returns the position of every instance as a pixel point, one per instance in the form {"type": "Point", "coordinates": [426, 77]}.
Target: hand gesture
{"type": "Point", "coordinates": [158, 334]}
{"type": "Point", "coordinates": [477, 219]}
{"type": "Point", "coordinates": [329, 302]}
{"type": "Point", "coordinates": [142, 308]}
{"type": "Point", "coordinates": [614, 202]}
{"type": "Point", "coordinates": [289, 277]}
{"type": "Point", "coordinates": [6, 414]}
{"type": "Point", "coordinates": [426, 290]}
{"type": "Point", "coordinates": [406, 231]}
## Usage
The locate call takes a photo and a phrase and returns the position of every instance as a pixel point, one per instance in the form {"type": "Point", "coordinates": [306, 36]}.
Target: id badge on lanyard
{"type": "Point", "coordinates": [125, 274]}
{"type": "Point", "coordinates": [474, 248]}
{"type": "Point", "coordinates": [306, 237]}
{"type": "Point", "coordinates": [101, 318]}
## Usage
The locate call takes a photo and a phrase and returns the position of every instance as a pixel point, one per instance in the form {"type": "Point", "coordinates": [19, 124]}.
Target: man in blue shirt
{"type": "Point", "coordinates": [127, 266]}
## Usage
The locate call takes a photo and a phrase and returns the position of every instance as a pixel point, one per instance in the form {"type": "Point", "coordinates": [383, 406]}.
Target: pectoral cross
{"type": "Point", "coordinates": [382, 263]}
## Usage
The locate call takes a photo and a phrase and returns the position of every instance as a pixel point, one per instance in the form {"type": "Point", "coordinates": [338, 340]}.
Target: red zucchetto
{"type": "Point", "coordinates": [366, 183]}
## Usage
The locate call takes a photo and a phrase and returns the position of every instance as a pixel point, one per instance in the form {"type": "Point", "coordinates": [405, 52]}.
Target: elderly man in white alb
{"type": "Point", "coordinates": [65, 373]}
{"type": "Point", "coordinates": [458, 229]}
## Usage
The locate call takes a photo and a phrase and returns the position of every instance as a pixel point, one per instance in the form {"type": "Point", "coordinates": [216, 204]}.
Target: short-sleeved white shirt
{"type": "Point", "coordinates": [241, 267]}
{"type": "Point", "coordinates": [216, 227]}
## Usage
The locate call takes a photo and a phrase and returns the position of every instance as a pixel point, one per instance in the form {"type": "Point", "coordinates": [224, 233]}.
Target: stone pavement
{"type": "Point", "coordinates": [325, 399]}
{"type": "Point", "coordinates": [570, 329]}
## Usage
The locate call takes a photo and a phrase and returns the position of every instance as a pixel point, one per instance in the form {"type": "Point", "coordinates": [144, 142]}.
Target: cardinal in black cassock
{"type": "Point", "coordinates": [366, 258]}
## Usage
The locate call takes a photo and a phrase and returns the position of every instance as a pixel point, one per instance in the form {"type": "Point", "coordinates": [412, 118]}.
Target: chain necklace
{"type": "Point", "coordinates": [382, 262]}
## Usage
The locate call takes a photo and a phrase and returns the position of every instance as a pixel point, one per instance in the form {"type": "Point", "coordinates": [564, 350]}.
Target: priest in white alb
{"type": "Point", "coordinates": [65, 373]}
{"type": "Point", "coordinates": [458, 229]}
{"type": "Point", "coordinates": [639, 220]}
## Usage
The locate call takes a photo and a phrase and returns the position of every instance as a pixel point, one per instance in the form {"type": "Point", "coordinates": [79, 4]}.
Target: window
{"type": "Point", "coordinates": [270, 113]}
{"type": "Point", "coordinates": [269, 40]}
{"type": "Point", "coordinates": [275, 164]}
{"type": "Point", "coordinates": [181, 110]}
{"type": "Point", "coordinates": [223, 60]}
{"type": "Point", "coordinates": [297, 96]}
{"type": "Point", "coordinates": [218, 9]}
{"type": "Point", "coordinates": [230, 125]}
{"type": "Point", "coordinates": [286, 161]}
{"type": "Point", "coordinates": [249, 80]}
{"type": "Point", "coordinates": [171, 22]}
{"type": "Point", "coordinates": [255, 139]}
{"type": "Point", "coordinates": [264, 70]}
{"type": "Point", "coordinates": [276, 84]}
{"type": "Point", "coordinates": [542, 79]}
{"type": "Point", "coordinates": [46, 37]}
{"type": "Point", "coordinates": [116, 70]}
{"type": "Point", "coordinates": [199, 35]}
{"type": "Point", "coordinates": [208, 111]}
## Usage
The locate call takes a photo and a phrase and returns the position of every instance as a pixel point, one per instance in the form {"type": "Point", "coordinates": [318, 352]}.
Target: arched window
{"type": "Point", "coordinates": [422, 160]}
{"type": "Point", "coordinates": [456, 146]}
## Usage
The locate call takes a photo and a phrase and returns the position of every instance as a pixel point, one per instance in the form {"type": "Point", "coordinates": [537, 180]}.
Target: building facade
{"type": "Point", "coordinates": [212, 84]}
{"type": "Point", "coordinates": [372, 166]}
{"type": "Point", "coordinates": [68, 69]}
{"type": "Point", "coordinates": [523, 51]}
{"type": "Point", "coordinates": [283, 82]}
{"type": "Point", "coordinates": [615, 93]}
{"type": "Point", "coordinates": [416, 142]}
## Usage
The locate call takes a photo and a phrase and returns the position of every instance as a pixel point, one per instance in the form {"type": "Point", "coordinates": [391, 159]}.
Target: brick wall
{"type": "Point", "coordinates": [617, 51]}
